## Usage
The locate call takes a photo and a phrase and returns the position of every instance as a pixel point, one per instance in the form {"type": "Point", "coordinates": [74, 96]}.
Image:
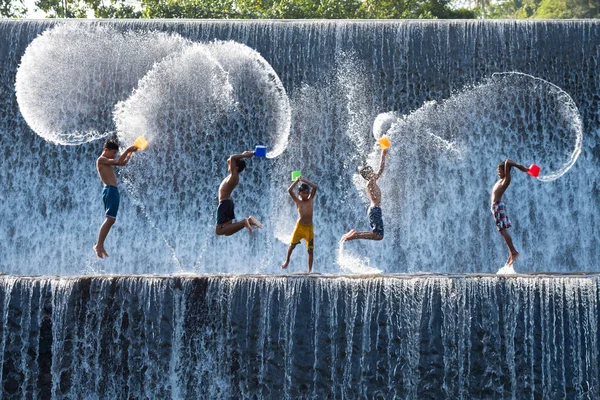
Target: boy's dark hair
{"type": "Point", "coordinates": [111, 144]}
{"type": "Point", "coordinates": [303, 187]}
{"type": "Point", "coordinates": [501, 165]}
{"type": "Point", "coordinates": [365, 170]}
{"type": "Point", "coordinates": [241, 165]}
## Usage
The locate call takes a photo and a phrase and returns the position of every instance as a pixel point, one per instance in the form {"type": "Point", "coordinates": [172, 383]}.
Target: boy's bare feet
{"type": "Point", "coordinates": [513, 258]}
{"type": "Point", "coordinates": [284, 265]}
{"type": "Point", "coordinates": [247, 224]}
{"type": "Point", "coordinates": [99, 251]}
{"type": "Point", "coordinates": [348, 235]}
{"type": "Point", "coordinates": [254, 222]}
{"type": "Point", "coordinates": [105, 253]}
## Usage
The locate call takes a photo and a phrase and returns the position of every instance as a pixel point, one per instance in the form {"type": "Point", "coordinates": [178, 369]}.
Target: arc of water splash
{"type": "Point", "coordinates": [578, 125]}
{"type": "Point", "coordinates": [281, 144]}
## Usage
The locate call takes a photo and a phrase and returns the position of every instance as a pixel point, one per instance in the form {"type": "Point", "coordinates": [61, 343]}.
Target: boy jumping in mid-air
{"type": "Point", "coordinates": [225, 211]}
{"type": "Point", "coordinates": [110, 194]}
{"type": "Point", "coordinates": [374, 212]}
{"type": "Point", "coordinates": [304, 226]}
{"type": "Point", "coordinates": [498, 207]}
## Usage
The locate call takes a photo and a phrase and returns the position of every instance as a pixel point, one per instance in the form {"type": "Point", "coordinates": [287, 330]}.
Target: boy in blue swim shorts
{"type": "Point", "coordinates": [374, 212]}
{"type": "Point", "coordinates": [110, 193]}
{"type": "Point", "coordinates": [498, 207]}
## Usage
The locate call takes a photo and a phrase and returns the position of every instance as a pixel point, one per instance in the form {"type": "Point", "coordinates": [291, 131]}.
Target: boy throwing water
{"type": "Point", "coordinates": [374, 212]}
{"type": "Point", "coordinates": [498, 207]}
{"type": "Point", "coordinates": [304, 226]}
{"type": "Point", "coordinates": [105, 164]}
{"type": "Point", "coordinates": [225, 211]}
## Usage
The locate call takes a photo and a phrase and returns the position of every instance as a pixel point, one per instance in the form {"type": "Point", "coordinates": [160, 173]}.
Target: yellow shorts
{"type": "Point", "coordinates": [303, 232]}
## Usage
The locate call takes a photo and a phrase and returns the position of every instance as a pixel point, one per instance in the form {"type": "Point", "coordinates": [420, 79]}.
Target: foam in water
{"type": "Point", "coordinates": [71, 76]}
{"type": "Point", "coordinates": [354, 264]}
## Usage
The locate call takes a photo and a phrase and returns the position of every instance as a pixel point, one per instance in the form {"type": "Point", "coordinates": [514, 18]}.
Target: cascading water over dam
{"type": "Point", "coordinates": [455, 98]}
{"type": "Point", "coordinates": [295, 337]}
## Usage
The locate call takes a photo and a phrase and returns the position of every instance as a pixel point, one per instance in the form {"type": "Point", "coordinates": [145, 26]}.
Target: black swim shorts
{"type": "Point", "coordinates": [225, 212]}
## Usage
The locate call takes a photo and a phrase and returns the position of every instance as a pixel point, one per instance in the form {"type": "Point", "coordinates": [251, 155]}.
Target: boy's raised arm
{"type": "Point", "coordinates": [312, 185]}
{"type": "Point", "coordinates": [291, 189]}
{"type": "Point", "coordinates": [122, 160]}
{"type": "Point", "coordinates": [382, 163]}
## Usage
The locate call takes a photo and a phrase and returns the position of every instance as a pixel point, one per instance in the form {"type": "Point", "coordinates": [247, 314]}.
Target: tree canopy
{"type": "Point", "coordinates": [306, 9]}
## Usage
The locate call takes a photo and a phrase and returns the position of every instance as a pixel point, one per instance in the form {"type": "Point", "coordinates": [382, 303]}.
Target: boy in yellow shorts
{"type": "Point", "coordinates": [304, 226]}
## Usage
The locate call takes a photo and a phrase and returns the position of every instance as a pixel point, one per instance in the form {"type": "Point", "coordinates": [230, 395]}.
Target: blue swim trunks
{"type": "Point", "coordinates": [110, 197]}
{"type": "Point", "coordinates": [376, 220]}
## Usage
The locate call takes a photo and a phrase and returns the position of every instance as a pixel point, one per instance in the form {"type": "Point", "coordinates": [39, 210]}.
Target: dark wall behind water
{"type": "Point", "coordinates": [339, 76]}
{"type": "Point", "coordinates": [300, 337]}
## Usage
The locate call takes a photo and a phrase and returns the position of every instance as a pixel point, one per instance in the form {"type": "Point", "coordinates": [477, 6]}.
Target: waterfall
{"type": "Point", "coordinates": [275, 337]}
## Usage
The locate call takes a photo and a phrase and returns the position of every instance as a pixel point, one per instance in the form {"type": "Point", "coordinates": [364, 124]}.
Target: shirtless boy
{"type": "Point", "coordinates": [498, 207]}
{"type": "Point", "coordinates": [110, 194]}
{"type": "Point", "coordinates": [374, 212]}
{"type": "Point", "coordinates": [225, 211]}
{"type": "Point", "coordinates": [304, 226]}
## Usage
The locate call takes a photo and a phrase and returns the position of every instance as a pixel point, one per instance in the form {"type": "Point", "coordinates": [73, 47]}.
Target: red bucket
{"type": "Point", "coordinates": [534, 170]}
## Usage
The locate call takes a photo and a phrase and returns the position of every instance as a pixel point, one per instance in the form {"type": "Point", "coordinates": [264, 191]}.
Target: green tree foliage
{"type": "Point", "coordinates": [82, 8]}
{"type": "Point", "coordinates": [302, 9]}
{"type": "Point", "coordinates": [12, 9]}
{"type": "Point", "coordinates": [546, 9]}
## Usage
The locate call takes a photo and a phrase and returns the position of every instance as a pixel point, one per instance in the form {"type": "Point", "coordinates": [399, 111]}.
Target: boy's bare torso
{"type": "Point", "coordinates": [374, 192]}
{"type": "Point", "coordinates": [498, 191]}
{"type": "Point", "coordinates": [227, 186]}
{"type": "Point", "coordinates": [106, 172]}
{"type": "Point", "coordinates": [305, 211]}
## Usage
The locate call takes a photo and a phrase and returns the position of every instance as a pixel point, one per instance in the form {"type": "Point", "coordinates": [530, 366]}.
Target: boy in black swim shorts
{"type": "Point", "coordinates": [225, 211]}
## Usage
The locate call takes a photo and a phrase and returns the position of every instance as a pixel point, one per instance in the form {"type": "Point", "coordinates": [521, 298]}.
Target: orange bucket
{"type": "Point", "coordinates": [141, 143]}
{"type": "Point", "coordinates": [384, 142]}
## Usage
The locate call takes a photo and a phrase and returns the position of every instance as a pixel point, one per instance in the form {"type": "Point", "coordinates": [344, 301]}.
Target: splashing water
{"type": "Point", "coordinates": [263, 105]}
{"type": "Point", "coordinates": [192, 107]}
{"type": "Point", "coordinates": [71, 76]}
{"type": "Point", "coordinates": [340, 77]}
{"type": "Point", "coordinates": [512, 114]}
{"type": "Point", "coordinates": [177, 107]}
{"type": "Point", "coordinates": [354, 264]}
{"type": "Point", "coordinates": [559, 112]}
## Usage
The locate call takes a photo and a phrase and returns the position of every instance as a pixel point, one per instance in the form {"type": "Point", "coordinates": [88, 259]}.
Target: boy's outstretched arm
{"type": "Point", "coordinates": [312, 185]}
{"type": "Point", "coordinates": [381, 163]}
{"type": "Point", "coordinates": [246, 154]}
{"type": "Point", "coordinates": [291, 189]}
{"type": "Point", "coordinates": [514, 164]}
